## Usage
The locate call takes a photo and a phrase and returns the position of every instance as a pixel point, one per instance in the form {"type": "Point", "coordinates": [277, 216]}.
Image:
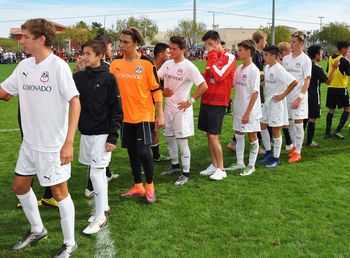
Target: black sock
{"type": "Point", "coordinates": [329, 123]}
{"type": "Point", "coordinates": [287, 136]}
{"type": "Point", "coordinates": [310, 132]}
{"type": "Point", "coordinates": [342, 121]}
{"type": "Point", "coordinates": [175, 165]}
{"type": "Point", "coordinates": [48, 193]}
{"type": "Point", "coordinates": [186, 174]}
{"type": "Point", "coordinates": [305, 123]}
{"type": "Point", "coordinates": [108, 172]}
{"type": "Point", "coordinates": [234, 138]}
{"type": "Point", "coordinates": [89, 184]}
{"type": "Point", "coordinates": [155, 151]}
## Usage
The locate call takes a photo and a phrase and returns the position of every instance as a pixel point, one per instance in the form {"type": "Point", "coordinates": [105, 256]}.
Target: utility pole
{"type": "Point", "coordinates": [321, 17]}
{"type": "Point", "coordinates": [194, 12]}
{"type": "Point", "coordinates": [214, 25]}
{"type": "Point", "coordinates": [273, 31]}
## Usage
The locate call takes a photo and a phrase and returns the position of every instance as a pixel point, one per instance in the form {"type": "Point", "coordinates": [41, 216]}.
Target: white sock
{"type": "Point", "coordinates": [97, 176]}
{"type": "Point", "coordinates": [253, 154]}
{"type": "Point", "coordinates": [173, 149]}
{"type": "Point", "coordinates": [299, 137]}
{"type": "Point", "coordinates": [67, 214]}
{"type": "Point", "coordinates": [106, 206]}
{"type": "Point", "coordinates": [291, 129]}
{"type": "Point", "coordinates": [31, 210]}
{"type": "Point", "coordinates": [265, 138]}
{"type": "Point", "coordinates": [185, 154]}
{"type": "Point", "coordinates": [240, 149]}
{"type": "Point", "coordinates": [277, 145]}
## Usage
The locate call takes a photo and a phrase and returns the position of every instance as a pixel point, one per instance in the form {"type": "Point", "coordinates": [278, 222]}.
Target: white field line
{"type": "Point", "coordinates": [9, 130]}
{"type": "Point", "coordinates": [104, 242]}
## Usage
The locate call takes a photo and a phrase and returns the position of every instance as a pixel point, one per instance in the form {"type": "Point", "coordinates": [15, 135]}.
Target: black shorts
{"type": "Point", "coordinates": [210, 118]}
{"type": "Point", "coordinates": [134, 134]}
{"type": "Point", "coordinates": [337, 97]}
{"type": "Point", "coordinates": [314, 101]}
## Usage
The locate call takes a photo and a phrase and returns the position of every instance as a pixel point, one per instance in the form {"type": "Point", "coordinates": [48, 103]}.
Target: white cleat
{"type": "Point", "coordinates": [89, 194]}
{"type": "Point", "coordinates": [208, 171]}
{"type": "Point", "coordinates": [235, 167]}
{"type": "Point", "coordinates": [248, 171]}
{"type": "Point", "coordinates": [95, 226]}
{"type": "Point", "coordinates": [218, 175]}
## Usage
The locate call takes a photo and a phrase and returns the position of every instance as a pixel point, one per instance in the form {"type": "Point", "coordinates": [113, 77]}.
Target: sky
{"type": "Point", "coordinates": [228, 14]}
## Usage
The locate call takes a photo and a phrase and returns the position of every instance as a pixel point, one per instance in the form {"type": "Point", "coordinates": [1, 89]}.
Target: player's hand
{"type": "Point", "coordinates": [335, 65]}
{"type": "Point", "coordinates": [109, 147]}
{"type": "Point", "coordinates": [159, 121]}
{"type": "Point", "coordinates": [278, 98]}
{"type": "Point", "coordinates": [296, 103]}
{"type": "Point", "coordinates": [184, 105]}
{"type": "Point", "coordinates": [245, 119]}
{"type": "Point", "coordinates": [167, 92]}
{"type": "Point", "coordinates": [66, 153]}
{"type": "Point", "coordinates": [80, 64]}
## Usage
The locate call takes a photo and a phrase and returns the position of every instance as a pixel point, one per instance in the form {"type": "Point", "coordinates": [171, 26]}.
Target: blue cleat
{"type": "Point", "coordinates": [275, 162]}
{"type": "Point", "coordinates": [267, 157]}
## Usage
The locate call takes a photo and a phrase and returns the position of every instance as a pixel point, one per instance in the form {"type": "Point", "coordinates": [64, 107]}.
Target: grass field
{"type": "Point", "coordinates": [295, 210]}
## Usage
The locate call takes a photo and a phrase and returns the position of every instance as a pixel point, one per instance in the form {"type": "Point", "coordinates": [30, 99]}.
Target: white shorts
{"type": "Point", "coordinates": [46, 165]}
{"type": "Point", "coordinates": [275, 114]}
{"type": "Point", "coordinates": [252, 126]}
{"type": "Point", "coordinates": [302, 112]}
{"type": "Point", "coordinates": [178, 123]}
{"type": "Point", "coordinates": [92, 151]}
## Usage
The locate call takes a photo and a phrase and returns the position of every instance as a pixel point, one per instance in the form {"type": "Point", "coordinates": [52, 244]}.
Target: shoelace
{"type": "Point", "coordinates": [62, 249]}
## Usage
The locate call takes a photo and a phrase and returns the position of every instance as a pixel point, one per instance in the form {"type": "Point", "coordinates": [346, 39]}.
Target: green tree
{"type": "Point", "coordinates": [282, 33]}
{"type": "Point", "coordinates": [79, 33]}
{"type": "Point", "coordinates": [193, 32]}
{"type": "Point", "coordinates": [10, 44]}
{"type": "Point", "coordinates": [334, 32]}
{"type": "Point", "coordinates": [98, 28]}
{"type": "Point", "coordinates": [148, 27]}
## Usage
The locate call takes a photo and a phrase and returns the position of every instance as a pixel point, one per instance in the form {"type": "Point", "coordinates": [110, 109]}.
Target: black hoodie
{"type": "Point", "coordinates": [101, 108]}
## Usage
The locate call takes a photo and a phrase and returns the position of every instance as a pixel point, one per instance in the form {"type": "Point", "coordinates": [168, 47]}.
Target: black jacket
{"type": "Point", "coordinates": [101, 108]}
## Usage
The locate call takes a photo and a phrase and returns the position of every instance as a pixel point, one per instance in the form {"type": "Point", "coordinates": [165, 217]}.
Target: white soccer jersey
{"type": "Point", "coordinates": [179, 77]}
{"type": "Point", "coordinates": [246, 82]}
{"type": "Point", "coordinates": [300, 67]}
{"type": "Point", "coordinates": [44, 91]}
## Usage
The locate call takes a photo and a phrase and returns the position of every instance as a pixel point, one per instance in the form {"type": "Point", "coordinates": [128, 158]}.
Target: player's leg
{"type": "Point", "coordinates": [277, 146]}
{"type": "Point", "coordinates": [253, 154]}
{"type": "Point", "coordinates": [266, 140]}
{"type": "Point", "coordinates": [331, 104]}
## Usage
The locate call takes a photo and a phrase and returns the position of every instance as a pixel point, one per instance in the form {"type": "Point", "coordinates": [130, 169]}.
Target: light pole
{"type": "Point", "coordinates": [321, 17]}
{"type": "Point", "coordinates": [214, 25]}
{"type": "Point", "coordinates": [273, 31]}
{"type": "Point", "coordinates": [194, 12]}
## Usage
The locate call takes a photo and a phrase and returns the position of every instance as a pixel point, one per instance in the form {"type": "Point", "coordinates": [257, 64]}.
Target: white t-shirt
{"type": "Point", "coordinates": [44, 91]}
{"type": "Point", "coordinates": [300, 67]}
{"type": "Point", "coordinates": [179, 77]}
{"type": "Point", "coordinates": [246, 82]}
{"type": "Point", "coordinates": [277, 79]}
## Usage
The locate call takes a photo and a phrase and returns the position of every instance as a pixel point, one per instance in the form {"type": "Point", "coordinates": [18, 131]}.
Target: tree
{"type": "Point", "coordinates": [334, 32]}
{"type": "Point", "coordinates": [98, 28]}
{"type": "Point", "coordinates": [282, 33]}
{"type": "Point", "coordinates": [9, 44]}
{"type": "Point", "coordinates": [193, 32]}
{"type": "Point", "coordinates": [148, 27]}
{"type": "Point", "coordinates": [79, 33]}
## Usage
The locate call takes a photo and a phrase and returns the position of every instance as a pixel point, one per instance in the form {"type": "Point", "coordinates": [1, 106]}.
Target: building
{"type": "Point", "coordinates": [16, 33]}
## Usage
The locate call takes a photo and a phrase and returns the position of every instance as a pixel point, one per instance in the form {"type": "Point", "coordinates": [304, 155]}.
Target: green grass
{"type": "Point", "coordinates": [295, 210]}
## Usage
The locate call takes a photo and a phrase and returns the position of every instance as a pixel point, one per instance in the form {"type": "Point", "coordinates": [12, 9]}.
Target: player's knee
{"type": "Point", "coordinates": [20, 189]}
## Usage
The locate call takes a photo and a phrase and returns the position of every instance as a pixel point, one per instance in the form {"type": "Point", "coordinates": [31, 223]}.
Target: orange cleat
{"type": "Point", "coordinates": [150, 194]}
{"type": "Point", "coordinates": [292, 152]}
{"type": "Point", "coordinates": [295, 158]}
{"type": "Point", "coordinates": [137, 190]}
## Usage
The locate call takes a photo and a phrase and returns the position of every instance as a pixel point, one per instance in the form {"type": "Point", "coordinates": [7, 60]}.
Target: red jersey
{"type": "Point", "coordinates": [218, 74]}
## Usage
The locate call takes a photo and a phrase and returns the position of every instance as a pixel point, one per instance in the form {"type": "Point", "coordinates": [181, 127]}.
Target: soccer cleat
{"type": "Point", "coordinates": [275, 162]}
{"type": "Point", "coordinates": [89, 194]}
{"type": "Point", "coordinates": [338, 135]}
{"type": "Point", "coordinates": [327, 136]}
{"type": "Point", "coordinates": [30, 238]}
{"type": "Point", "coordinates": [295, 158]}
{"type": "Point", "coordinates": [292, 152]}
{"type": "Point", "coordinates": [267, 157]}
{"type": "Point", "coordinates": [182, 180]}
{"type": "Point", "coordinates": [161, 158]}
{"type": "Point", "coordinates": [95, 226]}
{"type": "Point", "coordinates": [49, 202]}
{"type": "Point", "coordinates": [92, 218]}
{"type": "Point", "coordinates": [261, 150]}
{"type": "Point", "coordinates": [150, 194]}
{"type": "Point", "coordinates": [137, 190]}
{"type": "Point", "coordinates": [66, 251]}
{"type": "Point", "coordinates": [218, 175]}
{"type": "Point", "coordinates": [112, 177]}
{"type": "Point", "coordinates": [289, 147]}
{"type": "Point", "coordinates": [208, 171]}
{"type": "Point", "coordinates": [313, 144]}
{"type": "Point", "coordinates": [172, 170]}
{"type": "Point", "coordinates": [248, 171]}
{"type": "Point", "coordinates": [231, 146]}
{"type": "Point", "coordinates": [235, 167]}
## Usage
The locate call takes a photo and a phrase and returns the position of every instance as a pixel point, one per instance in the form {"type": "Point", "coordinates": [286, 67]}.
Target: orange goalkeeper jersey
{"type": "Point", "coordinates": [139, 88]}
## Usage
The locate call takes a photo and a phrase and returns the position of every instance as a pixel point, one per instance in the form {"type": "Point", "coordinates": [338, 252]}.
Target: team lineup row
{"type": "Point", "coordinates": [100, 99]}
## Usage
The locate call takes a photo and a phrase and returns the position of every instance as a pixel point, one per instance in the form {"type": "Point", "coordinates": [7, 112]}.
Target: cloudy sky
{"type": "Point", "coordinates": [240, 13]}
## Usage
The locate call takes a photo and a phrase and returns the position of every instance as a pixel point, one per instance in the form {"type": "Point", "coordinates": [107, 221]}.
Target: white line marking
{"type": "Point", "coordinates": [9, 130]}
{"type": "Point", "coordinates": [104, 242]}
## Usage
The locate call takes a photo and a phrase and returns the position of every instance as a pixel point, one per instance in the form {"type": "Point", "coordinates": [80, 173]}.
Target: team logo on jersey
{"type": "Point", "coordinates": [244, 77]}
{"type": "Point", "coordinates": [180, 71]}
{"type": "Point", "coordinates": [44, 77]}
{"type": "Point", "coordinates": [271, 76]}
{"type": "Point", "coordinates": [138, 69]}
{"type": "Point", "coordinates": [297, 65]}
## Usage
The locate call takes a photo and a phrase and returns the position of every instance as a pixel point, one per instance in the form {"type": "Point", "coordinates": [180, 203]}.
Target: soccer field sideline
{"type": "Point", "coordinates": [297, 210]}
